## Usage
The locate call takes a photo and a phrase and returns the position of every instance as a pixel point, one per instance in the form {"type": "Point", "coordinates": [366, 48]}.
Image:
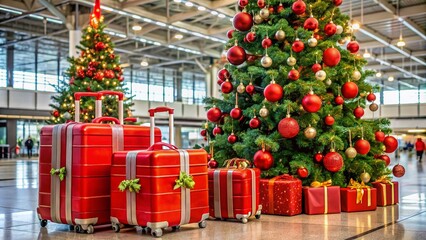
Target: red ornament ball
{"type": "Point", "coordinates": [254, 123]}
{"type": "Point", "coordinates": [261, 3]}
{"type": "Point", "coordinates": [232, 138]}
{"type": "Point", "coordinates": [219, 82]}
{"type": "Point", "coordinates": [311, 103]}
{"type": "Point", "coordinates": [236, 55]}
{"type": "Point", "coordinates": [362, 146]}
{"type": "Point", "coordinates": [251, 37]}
{"type": "Point", "coordinates": [318, 157]}
{"type": "Point", "coordinates": [56, 113]}
{"type": "Point", "coordinates": [380, 136]}
{"type": "Point", "coordinates": [243, 3]}
{"type": "Point", "coordinates": [333, 161]}
{"type": "Point", "coordinates": [297, 46]}
{"type": "Point", "coordinates": [339, 100]}
{"type": "Point", "coordinates": [266, 42]}
{"type": "Point", "coordinates": [89, 73]}
{"type": "Point", "coordinates": [288, 127]}
{"type": "Point", "coordinates": [280, 8]}
{"type": "Point", "coordinates": [242, 21]}
{"type": "Point", "coordinates": [213, 163]}
{"type": "Point", "coordinates": [293, 75]}
{"type": "Point", "coordinates": [273, 92]}
{"type": "Point", "coordinates": [302, 172]}
{"type": "Point", "coordinates": [263, 160]}
{"type": "Point", "coordinates": [99, 46]}
{"type": "Point", "coordinates": [227, 87]}
{"type": "Point", "coordinates": [214, 114]}
{"type": "Point", "coordinates": [111, 56]}
{"type": "Point", "coordinates": [390, 143]}
{"type": "Point", "coordinates": [230, 33]}
{"type": "Point", "coordinates": [371, 97]}
{"type": "Point", "coordinates": [331, 57]}
{"type": "Point", "coordinates": [120, 78]}
{"type": "Point", "coordinates": [358, 112]}
{"type": "Point", "coordinates": [337, 2]}
{"type": "Point", "coordinates": [217, 130]}
{"type": "Point", "coordinates": [329, 120]}
{"type": "Point", "coordinates": [81, 74]}
{"type": "Point", "coordinates": [316, 67]}
{"type": "Point", "coordinates": [353, 46]}
{"type": "Point", "coordinates": [349, 90]}
{"type": "Point", "coordinates": [330, 29]}
{"type": "Point", "coordinates": [298, 7]}
{"type": "Point", "coordinates": [223, 74]}
{"type": "Point", "coordinates": [310, 24]}
{"type": "Point", "coordinates": [99, 76]}
{"type": "Point", "coordinates": [236, 113]}
{"type": "Point", "coordinates": [398, 171]}
{"type": "Point", "coordinates": [385, 158]}
{"type": "Point", "coordinates": [203, 132]}
{"type": "Point", "coordinates": [250, 89]}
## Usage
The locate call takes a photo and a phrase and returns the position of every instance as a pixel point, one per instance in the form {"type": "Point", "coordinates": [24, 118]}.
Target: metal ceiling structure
{"type": "Point", "coordinates": [203, 25]}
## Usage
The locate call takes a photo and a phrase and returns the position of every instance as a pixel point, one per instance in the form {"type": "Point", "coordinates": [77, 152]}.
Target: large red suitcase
{"type": "Point", "coordinates": [234, 193]}
{"type": "Point", "coordinates": [157, 204]}
{"type": "Point", "coordinates": [81, 153]}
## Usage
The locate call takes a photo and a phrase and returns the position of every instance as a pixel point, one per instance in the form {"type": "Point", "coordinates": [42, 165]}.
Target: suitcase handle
{"type": "Point", "coordinates": [162, 144]}
{"type": "Point", "coordinates": [130, 119]}
{"type": "Point", "coordinates": [98, 104]}
{"type": "Point", "coordinates": [120, 102]}
{"type": "Point", "coordinates": [152, 112]}
{"type": "Point", "coordinates": [106, 119]}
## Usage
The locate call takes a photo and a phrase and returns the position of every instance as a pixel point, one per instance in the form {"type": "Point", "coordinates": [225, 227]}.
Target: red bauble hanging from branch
{"type": "Point", "coordinates": [379, 135]}
{"type": "Point", "coordinates": [263, 160]}
{"type": "Point", "coordinates": [243, 3]}
{"type": "Point", "coordinates": [311, 23]}
{"type": "Point", "coordinates": [353, 46]}
{"type": "Point", "coordinates": [329, 120]}
{"type": "Point", "coordinates": [337, 2]}
{"type": "Point", "coordinates": [318, 157]}
{"type": "Point", "coordinates": [273, 92]}
{"type": "Point", "coordinates": [254, 123]}
{"type": "Point", "coordinates": [358, 112]}
{"type": "Point", "coordinates": [250, 88]}
{"type": "Point", "coordinates": [398, 171]}
{"type": "Point", "coordinates": [236, 113]}
{"type": "Point", "coordinates": [339, 100]}
{"type": "Point", "coordinates": [214, 114]}
{"type": "Point", "coordinates": [333, 161]}
{"type": "Point", "coordinates": [223, 74]}
{"type": "Point", "coordinates": [217, 130]}
{"type": "Point", "coordinates": [385, 158]}
{"type": "Point", "coordinates": [362, 146]}
{"type": "Point", "coordinates": [230, 33]}
{"type": "Point", "coordinates": [311, 102]}
{"type": "Point", "coordinates": [330, 28]}
{"type": "Point", "coordinates": [371, 97]}
{"type": "Point", "coordinates": [390, 143]}
{"type": "Point", "coordinates": [331, 57]}
{"type": "Point", "coordinates": [266, 42]}
{"type": "Point", "coordinates": [298, 7]}
{"type": "Point", "coordinates": [232, 138]}
{"type": "Point", "coordinates": [99, 46]}
{"type": "Point", "coordinates": [297, 46]}
{"type": "Point", "coordinates": [302, 172]}
{"type": "Point", "coordinates": [236, 55]}
{"type": "Point", "coordinates": [349, 90]}
{"type": "Point", "coordinates": [261, 3]}
{"type": "Point", "coordinates": [242, 21]}
{"type": "Point", "coordinates": [227, 86]}
{"type": "Point", "coordinates": [316, 67]}
{"type": "Point", "coordinates": [293, 74]}
{"type": "Point", "coordinates": [251, 37]}
{"type": "Point", "coordinates": [288, 127]}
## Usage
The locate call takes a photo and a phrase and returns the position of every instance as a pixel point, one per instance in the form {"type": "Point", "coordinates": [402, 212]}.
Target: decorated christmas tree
{"type": "Point", "coordinates": [96, 69]}
{"type": "Point", "coordinates": [294, 95]}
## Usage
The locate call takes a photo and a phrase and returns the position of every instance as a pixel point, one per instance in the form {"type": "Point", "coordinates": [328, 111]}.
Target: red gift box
{"type": "Point", "coordinates": [281, 195]}
{"type": "Point", "coordinates": [321, 200]}
{"type": "Point", "coordinates": [387, 193]}
{"type": "Point", "coordinates": [358, 199]}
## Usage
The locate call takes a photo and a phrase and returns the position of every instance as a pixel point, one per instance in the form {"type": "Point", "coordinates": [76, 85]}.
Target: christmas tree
{"type": "Point", "coordinates": [96, 69]}
{"type": "Point", "coordinates": [294, 94]}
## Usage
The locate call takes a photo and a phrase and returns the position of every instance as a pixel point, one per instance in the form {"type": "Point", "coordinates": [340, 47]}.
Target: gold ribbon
{"type": "Point", "coordinates": [185, 181]}
{"type": "Point", "coordinates": [325, 184]}
{"type": "Point", "coordinates": [360, 191]}
{"type": "Point", "coordinates": [238, 163]}
{"type": "Point", "coordinates": [132, 185]}
{"type": "Point", "coordinates": [61, 172]}
{"type": "Point", "coordinates": [383, 180]}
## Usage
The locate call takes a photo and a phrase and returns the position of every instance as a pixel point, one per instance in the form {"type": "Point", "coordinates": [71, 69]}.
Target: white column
{"type": "Point", "coordinates": [74, 40]}
{"type": "Point", "coordinates": [212, 83]}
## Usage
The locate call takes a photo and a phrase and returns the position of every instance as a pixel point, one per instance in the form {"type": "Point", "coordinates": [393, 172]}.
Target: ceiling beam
{"type": "Point", "coordinates": [376, 44]}
{"type": "Point", "coordinates": [134, 3]}
{"type": "Point", "coordinates": [222, 3]}
{"type": "Point", "coordinates": [209, 5]}
{"type": "Point", "coordinates": [184, 16]}
{"type": "Point", "coordinates": [52, 8]}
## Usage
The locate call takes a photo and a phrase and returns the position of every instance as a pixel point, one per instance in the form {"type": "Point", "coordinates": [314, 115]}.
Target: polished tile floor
{"type": "Point", "coordinates": [18, 220]}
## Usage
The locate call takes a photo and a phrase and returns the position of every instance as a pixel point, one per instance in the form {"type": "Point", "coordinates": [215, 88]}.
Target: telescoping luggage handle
{"type": "Point", "coordinates": [152, 112]}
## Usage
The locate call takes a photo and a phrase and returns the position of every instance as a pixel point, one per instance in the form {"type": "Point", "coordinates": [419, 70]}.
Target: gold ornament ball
{"type": "Point", "coordinates": [291, 61]}
{"type": "Point", "coordinates": [266, 61]}
{"type": "Point", "coordinates": [339, 29]}
{"type": "Point", "coordinates": [310, 132]}
{"type": "Point", "coordinates": [328, 82]}
{"type": "Point", "coordinates": [257, 19]}
{"type": "Point", "coordinates": [374, 107]}
{"type": "Point", "coordinates": [312, 42]}
{"type": "Point", "coordinates": [320, 75]}
{"type": "Point", "coordinates": [365, 177]}
{"type": "Point", "coordinates": [356, 75]}
{"type": "Point", "coordinates": [263, 112]}
{"type": "Point", "coordinates": [264, 13]}
{"type": "Point", "coordinates": [241, 89]}
{"type": "Point", "coordinates": [351, 152]}
{"type": "Point", "coordinates": [280, 35]}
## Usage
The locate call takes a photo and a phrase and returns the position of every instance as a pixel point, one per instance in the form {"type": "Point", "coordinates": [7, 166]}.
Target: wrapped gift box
{"type": "Point", "coordinates": [281, 195]}
{"type": "Point", "coordinates": [357, 200]}
{"type": "Point", "coordinates": [387, 193]}
{"type": "Point", "coordinates": [321, 200]}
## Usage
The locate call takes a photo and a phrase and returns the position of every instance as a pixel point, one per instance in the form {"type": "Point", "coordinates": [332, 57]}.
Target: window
{"type": "Point", "coordinates": [24, 66]}
{"type": "Point", "coordinates": [47, 66]}
{"type": "Point", "coordinates": [200, 88]}
{"type": "Point", "coordinates": [188, 87]}
{"type": "Point", "coordinates": [409, 96]}
{"type": "Point", "coordinates": [140, 84]}
{"type": "Point", "coordinates": [169, 85]}
{"type": "Point", "coordinates": [3, 74]}
{"type": "Point", "coordinates": [156, 89]}
{"type": "Point", "coordinates": [422, 93]}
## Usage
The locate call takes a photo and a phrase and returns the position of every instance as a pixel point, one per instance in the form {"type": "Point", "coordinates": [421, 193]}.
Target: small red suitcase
{"type": "Point", "coordinates": [158, 205]}
{"type": "Point", "coordinates": [81, 153]}
{"type": "Point", "coordinates": [234, 193]}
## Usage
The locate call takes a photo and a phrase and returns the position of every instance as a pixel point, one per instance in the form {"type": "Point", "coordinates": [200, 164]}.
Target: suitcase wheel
{"type": "Point", "coordinates": [175, 228]}
{"type": "Point", "coordinates": [78, 229]}
{"type": "Point", "coordinates": [257, 216]}
{"type": "Point", "coordinates": [43, 223]}
{"type": "Point", "coordinates": [202, 224]}
{"type": "Point", "coordinates": [157, 232]}
{"type": "Point", "coordinates": [116, 228]}
{"type": "Point", "coordinates": [244, 220]}
{"type": "Point", "coordinates": [90, 229]}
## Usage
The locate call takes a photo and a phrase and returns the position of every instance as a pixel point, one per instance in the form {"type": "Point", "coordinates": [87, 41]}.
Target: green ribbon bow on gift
{"type": "Point", "coordinates": [132, 185]}
{"type": "Point", "coordinates": [185, 181]}
{"type": "Point", "coordinates": [61, 172]}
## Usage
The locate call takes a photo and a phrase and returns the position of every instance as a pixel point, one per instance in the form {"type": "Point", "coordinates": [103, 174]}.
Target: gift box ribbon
{"type": "Point", "coordinates": [325, 184]}
{"type": "Point", "coordinates": [271, 189]}
{"type": "Point", "coordinates": [360, 191]}
{"type": "Point", "coordinates": [383, 180]}
{"type": "Point", "coordinates": [239, 163]}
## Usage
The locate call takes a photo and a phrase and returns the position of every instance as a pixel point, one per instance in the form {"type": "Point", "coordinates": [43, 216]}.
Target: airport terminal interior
{"type": "Point", "coordinates": [282, 84]}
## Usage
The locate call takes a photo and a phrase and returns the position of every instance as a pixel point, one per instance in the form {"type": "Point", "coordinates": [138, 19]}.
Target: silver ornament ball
{"type": "Point", "coordinates": [241, 89]}
{"type": "Point", "coordinates": [257, 19]}
{"type": "Point", "coordinates": [328, 82]}
{"type": "Point", "coordinates": [374, 107]}
{"type": "Point", "coordinates": [312, 42]}
{"type": "Point", "coordinates": [320, 75]}
{"type": "Point", "coordinates": [263, 112]}
{"type": "Point", "coordinates": [356, 75]}
{"type": "Point", "coordinates": [339, 29]}
{"type": "Point", "coordinates": [291, 61]}
{"type": "Point", "coordinates": [67, 115]}
{"type": "Point", "coordinates": [351, 152]}
{"type": "Point", "coordinates": [264, 13]}
{"type": "Point", "coordinates": [280, 35]}
{"type": "Point", "coordinates": [266, 61]}
{"type": "Point", "coordinates": [310, 132]}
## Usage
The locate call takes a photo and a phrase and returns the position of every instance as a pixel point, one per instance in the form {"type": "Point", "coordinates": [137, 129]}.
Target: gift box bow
{"type": "Point", "coordinates": [61, 172]}
{"type": "Point", "coordinates": [131, 184]}
{"type": "Point", "coordinates": [239, 163]}
{"type": "Point", "coordinates": [185, 181]}
{"type": "Point", "coordinates": [384, 179]}
{"type": "Point", "coordinates": [359, 189]}
{"type": "Point", "coordinates": [317, 184]}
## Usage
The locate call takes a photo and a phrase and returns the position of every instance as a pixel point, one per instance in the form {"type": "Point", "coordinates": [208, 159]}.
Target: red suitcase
{"type": "Point", "coordinates": [157, 204]}
{"type": "Point", "coordinates": [234, 193]}
{"type": "Point", "coordinates": [81, 153]}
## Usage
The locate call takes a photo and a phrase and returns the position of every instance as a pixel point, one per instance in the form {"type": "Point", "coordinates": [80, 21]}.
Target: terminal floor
{"type": "Point", "coordinates": [407, 220]}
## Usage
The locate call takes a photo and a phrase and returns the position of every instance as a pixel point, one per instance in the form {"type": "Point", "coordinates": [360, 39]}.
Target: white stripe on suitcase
{"type": "Point", "coordinates": [68, 177]}
{"type": "Point", "coordinates": [131, 196]}
{"type": "Point", "coordinates": [55, 210]}
{"type": "Point", "coordinates": [185, 192]}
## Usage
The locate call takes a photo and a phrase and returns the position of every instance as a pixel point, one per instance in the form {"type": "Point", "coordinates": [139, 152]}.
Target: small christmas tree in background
{"type": "Point", "coordinates": [294, 97]}
{"type": "Point", "coordinates": [96, 69]}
